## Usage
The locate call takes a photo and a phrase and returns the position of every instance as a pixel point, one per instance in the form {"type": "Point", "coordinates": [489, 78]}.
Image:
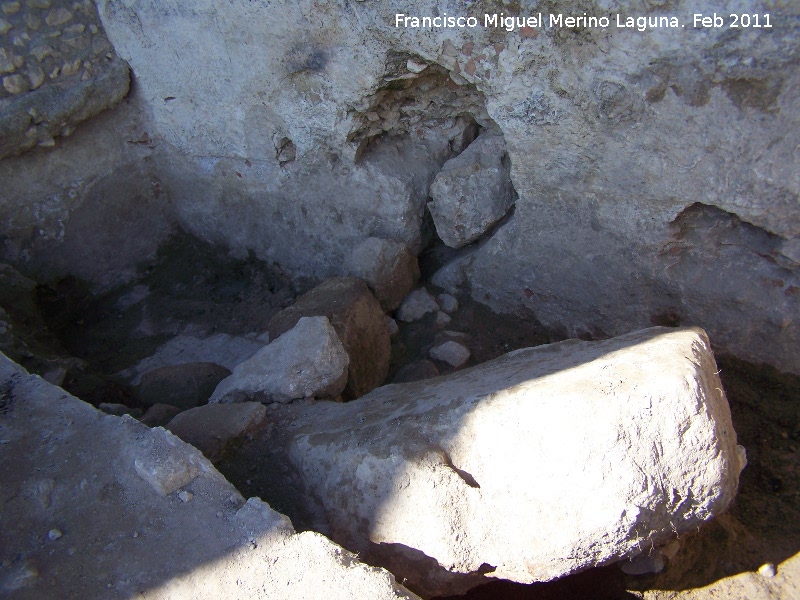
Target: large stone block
{"type": "Point", "coordinates": [359, 322]}
{"type": "Point", "coordinates": [541, 463]}
{"type": "Point", "coordinates": [472, 192]}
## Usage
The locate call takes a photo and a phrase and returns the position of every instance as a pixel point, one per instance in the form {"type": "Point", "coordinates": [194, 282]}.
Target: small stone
{"type": "Point", "coordinates": [32, 22]}
{"type": "Point", "coordinates": [70, 68]}
{"type": "Point", "coordinates": [452, 353]}
{"type": "Point", "coordinates": [416, 305]}
{"type": "Point", "coordinates": [42, 52]}
{"type": "Point", "coordinates": [93, 28]}
{"type": "Point", "coordinates": [11, 8]}
{"type": "Point", "coordinates": [392, 326]}
{"type": "Point", "coordinates": [767, 570]}
{"type": "Point", "coordinates": [58, 16]}
{"type": "Point", "coordinates": [54, 73]}
{"type": "Point", "coordinates": [645, 564]}
{"type": "Point", "coordinates": [19, 60]}
{"type": "Point", "coordinates": [39, 3]}
{"type": "Point", "coordinates": [448, 303]}
{"type": "Point", "coordinates": [21, 40]}
{"type": "Point", "coordinates": [75, 29]}
{"type": "Point", "coordinates": [36, 77]}
{"type": "Point", "coordinates": [415, 67]}
{"type": "Point", "coordinates": [442, 319]}
{"type": "Point", "coordinates": [54, 534]}
{"type": "Point", "coordinates": [185, 496]}
{"type": "Point", "coordinates": [6, 62]}
{"type": "Point", "coordinates": [5, 26]}
{"type": "Point", "coordinates": [15, 84]}
{"type": "Point", "coordinates": [671, 549]}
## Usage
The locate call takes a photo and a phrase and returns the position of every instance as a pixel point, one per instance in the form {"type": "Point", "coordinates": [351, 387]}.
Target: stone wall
{"type": "Point", "coordinates": [297, 129]}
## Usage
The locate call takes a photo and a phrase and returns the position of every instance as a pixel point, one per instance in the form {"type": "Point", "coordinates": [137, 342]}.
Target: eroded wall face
{"type": "Point", "coordinates": [655, 170]}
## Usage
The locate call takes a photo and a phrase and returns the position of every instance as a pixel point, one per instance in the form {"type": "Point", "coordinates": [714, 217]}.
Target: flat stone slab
{"type": "Point", "coordinates": [541, 463]}
{"type": "Point", "coordinates": [97, 506]}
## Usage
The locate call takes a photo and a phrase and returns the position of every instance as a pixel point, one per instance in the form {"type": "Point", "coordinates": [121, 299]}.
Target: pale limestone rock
{"type": "Point", "coordinates": [308, 361]}
{"type": "Point", "coordinates": [541, 463]}
{"type": "Point", "coordinates": [416, 305]}
{"type": "Point", "coordinates": [453, 353]}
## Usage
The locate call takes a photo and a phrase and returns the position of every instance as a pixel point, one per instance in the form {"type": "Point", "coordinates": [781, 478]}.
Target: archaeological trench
{"type": "Point", "coordinates": [307, 299]}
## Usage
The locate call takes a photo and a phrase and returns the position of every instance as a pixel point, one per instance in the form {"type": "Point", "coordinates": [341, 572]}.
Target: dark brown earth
{"type": "Point", "coordinates": [193, 284]}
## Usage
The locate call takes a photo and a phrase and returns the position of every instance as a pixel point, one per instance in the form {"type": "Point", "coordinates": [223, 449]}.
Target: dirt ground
{"type": "Point", "coordinates": [194, 286]}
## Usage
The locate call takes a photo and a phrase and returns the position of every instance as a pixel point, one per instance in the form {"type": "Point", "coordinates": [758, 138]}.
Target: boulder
{"type": "Point", "coordinates": [539, 464]}
{"type": "Point", "coordinates": [390, 269]}
{"type": "Point", "coordinates": [168, 523]}
{"type": "Point", "coordinates": [214, 428]}
{"type": "Point", "coordinates": [185, 386]}
{"type": "Point", "coordinates": [472, 192]}
{"type": "Point", "coordinates": [416, 305]}
{"type": "Point", "coordinates": [359, 322]}
{"type": "Point", "coordinates": [308, 361]}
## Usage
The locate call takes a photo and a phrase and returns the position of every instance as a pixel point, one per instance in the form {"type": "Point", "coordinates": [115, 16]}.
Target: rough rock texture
{"type": "Point", "coordinates": [388, 267]}
{"type": "Point", "coordinates": [308, 361]}
{"type": "Point", "coordinates": [57, 69]}
{"type": "Point", "coordinates": [159, 415]}
{"type": "Point", "coordinates": [541, 463]}
{"type": "Point", "coordinates": [416, 305]}
{"type": "Point", "coordinates": [612, 134]}
{"type": "Point", "coordinates": [472, 192]}
{"type": "Point", "coordinates": [359, 322]}
{"type": "Point", "coordinates": [185, 386]}
{"type": "Point", "coordinates": [453, 353]}
{"type": "Point", "coordinates": [147, 517]}
{"type": "Point", "coordinates": [214, 428]}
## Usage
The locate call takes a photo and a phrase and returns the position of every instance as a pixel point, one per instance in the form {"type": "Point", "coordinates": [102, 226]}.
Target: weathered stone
{"type": "Point", "coordinates": [58, 16]}
{"type": "Point", "coordinates": [6, 62]}
{"type": "Point", "coordinates": [308, 361]}
{"type": "Point", "coordinates": [416, 305]}
{"type": "Point", "coordinates": [420, 369]}
{"type": "Point", "coordinates": [448, 303]}
{"type": "Point", "coordinates": [392, 326]}
{"type": "Point", "coordinates": [442, 319]}
{"type": "Point", "coordinates": [159, 415]}
{"type": "Point", "coordinates": [472, 192]}
{"type": "Point", "coordinates": [541, 463]}
{"type": "Point", "coordinates": [453, 353]}
{"type": "Point", "coordinates": [35, 77]}
{"type": "Point", "coordinates": [5, 26]}
{"type": "Point", "coordinates": [201, 541]}
{"type": "Point", "coordinates": [359, 322]}
{"type": "Point", "coordinates": [11, 8]}
{"type": "Point", "coordinates": [185, 385]}
{"type": "Point", "coordinates": [214, 428]}
{"type": "Point", "coordinates": [388, 267]}
{"type": "Point", "coordinates": [38, 3]}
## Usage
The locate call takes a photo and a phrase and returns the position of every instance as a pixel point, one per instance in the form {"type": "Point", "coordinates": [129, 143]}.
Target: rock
{"type": "Point", "coordinates": [454, 354]}
{"type": "Point", "coordinates": [541, 463]}
{"type": "Point", "coordinates": [472, 192]}
{"type": "Point", "coordinates": [442, 319]}
{"type": "Point", "coordinates": [15, 84]}
{"type": "Point", "coordinates": [158, 415]}
{"type": "Point", "coordinates": [448, 303]}
{"type": "Point", "coordinates": [420, 369]}
{"type": "Point", "coordinates": [391, 325]}
{"type": "Point", "coordinates": [359, 322]}
{"type": "Point", "coordinates": [214, 545]}
{"type": "Point", "coordinates": [767, 570]}
{"type": "Point", "coordinates": [214, 428]}
{"type": "Point", "coordinates": [221, 348]}
{"type": "Point", "coordinates": [185, 386]}
{"type": "Point", "coordinates": [308, 361]}
{"type": "Point", "coordinates": [416, 305]}
{"type": "Point", "coordinates": [119, 409]}
{"type": "Point", "coordinates": [389, 268]}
